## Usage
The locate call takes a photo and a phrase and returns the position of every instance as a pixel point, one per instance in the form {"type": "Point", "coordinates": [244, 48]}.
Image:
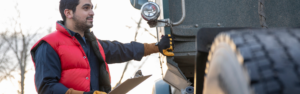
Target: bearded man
{"type": "Point", "coordinates": [71, 60]}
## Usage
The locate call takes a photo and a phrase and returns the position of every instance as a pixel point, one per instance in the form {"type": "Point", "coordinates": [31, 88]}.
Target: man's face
{"type": "Point", "coordinates": [83, 16]}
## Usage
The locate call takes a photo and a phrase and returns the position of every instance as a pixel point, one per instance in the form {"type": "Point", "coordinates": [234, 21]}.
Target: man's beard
{"type": "Point", "coordinates": [81, 25]}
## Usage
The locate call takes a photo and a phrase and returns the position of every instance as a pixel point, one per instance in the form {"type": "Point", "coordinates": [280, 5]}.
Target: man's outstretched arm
{"type": "Point", "coordinates": [116, 52]}
{"type": "Point", "coordinates": [119, 52]}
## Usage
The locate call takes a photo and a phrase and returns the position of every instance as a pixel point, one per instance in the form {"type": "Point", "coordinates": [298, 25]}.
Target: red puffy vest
{"type": "Point", "coordinates": [74, 63]}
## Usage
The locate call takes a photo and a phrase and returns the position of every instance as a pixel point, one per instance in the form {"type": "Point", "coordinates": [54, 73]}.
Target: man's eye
{"type": "Point", "coordinates": [85, 8]}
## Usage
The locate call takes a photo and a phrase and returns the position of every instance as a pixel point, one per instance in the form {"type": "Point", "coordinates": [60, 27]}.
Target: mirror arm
{"type": "Point", "coordinates": [159, 23]}
{"type": "Point", "coordinates": [183, 14]}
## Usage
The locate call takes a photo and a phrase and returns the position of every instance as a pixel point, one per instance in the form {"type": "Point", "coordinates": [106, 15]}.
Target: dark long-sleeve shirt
{"type": "Point", "coordinates": [48, 67]}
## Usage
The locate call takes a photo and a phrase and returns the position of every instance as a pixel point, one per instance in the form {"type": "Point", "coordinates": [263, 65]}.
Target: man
{"type": "Point", "coordinates": [72, 60]}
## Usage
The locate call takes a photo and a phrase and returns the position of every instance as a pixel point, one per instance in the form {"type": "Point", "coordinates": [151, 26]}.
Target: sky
{"type": "Point", "coordinates": [113, 20]}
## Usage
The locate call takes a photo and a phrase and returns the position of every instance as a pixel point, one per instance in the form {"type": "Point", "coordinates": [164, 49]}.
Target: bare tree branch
{"type": "Point", "coordinates": [128, 26]}
{"type": "Point", "coordinates": [137, 28]}
{"type": "Point", "coordinates": [7, 74]}
{"type": "Point", "coordinates": [150, 33]}
{"type": "Point", "coordinates": [34, 34]}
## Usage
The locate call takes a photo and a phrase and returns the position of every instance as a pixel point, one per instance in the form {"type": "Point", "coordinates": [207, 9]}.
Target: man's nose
{"type": "Point", "coordinates": [91, 13]}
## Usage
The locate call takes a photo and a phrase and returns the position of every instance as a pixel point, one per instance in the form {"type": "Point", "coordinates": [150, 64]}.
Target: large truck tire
{"type": "Point", "coordinates": [254, 61]}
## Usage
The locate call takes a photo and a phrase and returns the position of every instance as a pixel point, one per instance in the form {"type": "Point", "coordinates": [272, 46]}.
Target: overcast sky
{"type": "Point", "coordinates": [113, 20]}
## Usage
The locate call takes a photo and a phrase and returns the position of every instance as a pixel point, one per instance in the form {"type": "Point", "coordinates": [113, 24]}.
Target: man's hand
{"type": "Point", "coordinates": [166, 45]}
{"type": "Point", "coordinates": [95, 92]}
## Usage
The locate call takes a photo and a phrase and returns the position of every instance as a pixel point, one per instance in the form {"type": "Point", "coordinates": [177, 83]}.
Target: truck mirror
{"type": "Point", "coordinates": [138, 3]}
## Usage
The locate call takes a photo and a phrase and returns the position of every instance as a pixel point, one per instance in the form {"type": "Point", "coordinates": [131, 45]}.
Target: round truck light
{"type": "Point", "coordinates": [150, 11]}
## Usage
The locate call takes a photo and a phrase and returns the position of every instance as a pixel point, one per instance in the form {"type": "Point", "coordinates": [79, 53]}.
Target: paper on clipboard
{"type": "Point", "coordinates": [128, 85]}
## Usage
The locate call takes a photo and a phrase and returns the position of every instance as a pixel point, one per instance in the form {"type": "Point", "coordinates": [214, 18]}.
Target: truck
{"type": "Point", "coordinates": [227, 46]}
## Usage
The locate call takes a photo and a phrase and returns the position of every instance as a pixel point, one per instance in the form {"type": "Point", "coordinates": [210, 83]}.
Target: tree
{"type": "Point", "coordinates": [18, 43]}
{"type": "Point", "coordinates": [15, 46]}
{"type": "Point", "coordinates": [4, 60]}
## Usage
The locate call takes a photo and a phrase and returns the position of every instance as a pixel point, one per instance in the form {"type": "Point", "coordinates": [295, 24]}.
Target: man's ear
{"type": "Point", "coordinates": [68, 13]}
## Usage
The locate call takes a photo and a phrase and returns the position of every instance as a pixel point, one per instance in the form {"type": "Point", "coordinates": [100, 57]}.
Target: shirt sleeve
{"type": "Point", "coordinates": [47, 71]}
{"type": "Point", "coordinates": [119, 52]}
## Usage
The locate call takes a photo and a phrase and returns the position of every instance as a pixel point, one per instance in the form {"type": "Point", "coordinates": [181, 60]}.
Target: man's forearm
{"type": "Point", "coordinates": [118, 52]}
{"type": "Point", "coordinates": [150, 48]}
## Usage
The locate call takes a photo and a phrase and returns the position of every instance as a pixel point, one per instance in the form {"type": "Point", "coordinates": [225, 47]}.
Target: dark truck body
{"type": "Point", "coordinates": [207, 18]}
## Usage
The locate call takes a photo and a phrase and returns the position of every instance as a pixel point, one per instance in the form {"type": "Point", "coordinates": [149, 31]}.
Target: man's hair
{"type": "Point", "coordinates": [67, 4]}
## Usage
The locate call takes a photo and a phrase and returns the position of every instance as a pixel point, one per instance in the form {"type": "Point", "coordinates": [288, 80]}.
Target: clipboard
{"type": "Point", "coordinates": [128, 85]}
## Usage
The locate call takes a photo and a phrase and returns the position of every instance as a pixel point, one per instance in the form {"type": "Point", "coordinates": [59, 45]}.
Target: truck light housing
{"type": "Point", "coordinates": [150, 11]}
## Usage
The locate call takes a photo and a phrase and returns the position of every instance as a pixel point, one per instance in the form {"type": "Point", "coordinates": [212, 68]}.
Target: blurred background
{"type": "Point", "coordinates": [24, 22]}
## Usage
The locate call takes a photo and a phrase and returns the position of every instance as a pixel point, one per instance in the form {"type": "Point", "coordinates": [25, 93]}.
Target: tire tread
{"type": "Point", "coordinates": [271, 57]}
